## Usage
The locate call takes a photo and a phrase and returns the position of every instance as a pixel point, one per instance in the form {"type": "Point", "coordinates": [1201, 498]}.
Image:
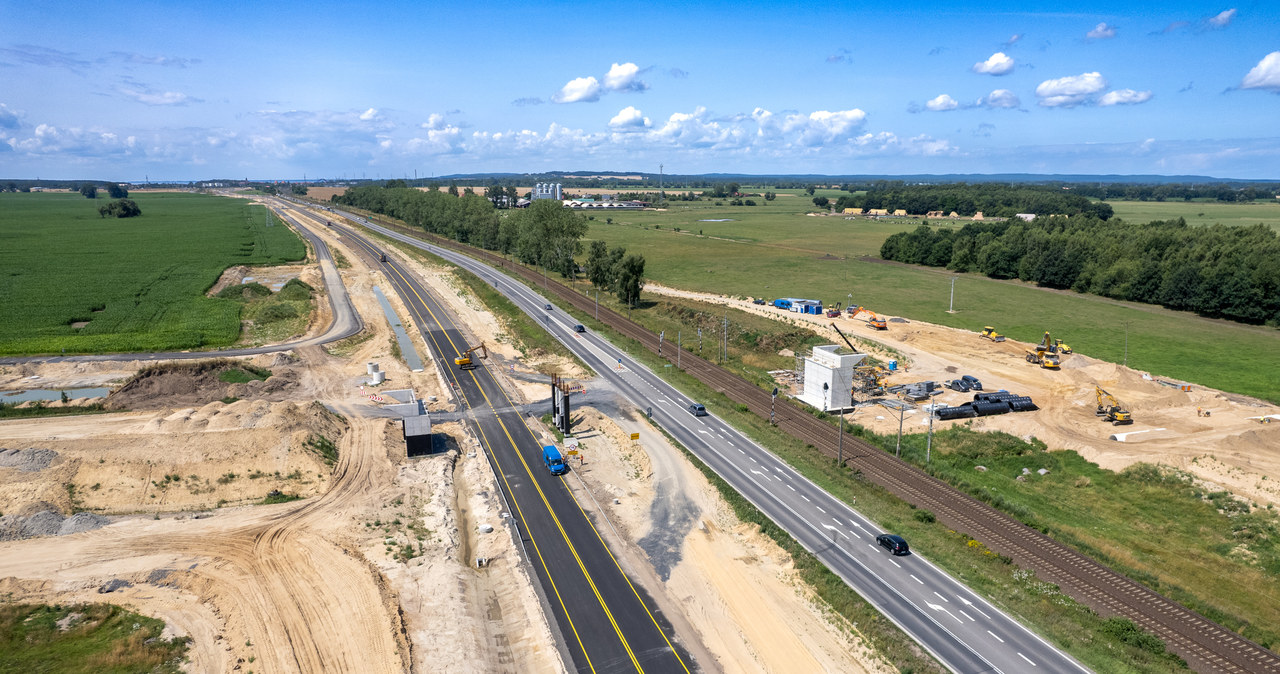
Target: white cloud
{"type": "Point", "coordinates": [148, 97]}
{"type": "Point", "coordinates": [1124, 97]}
{"type": "Point", "coordinates": [942, 102]}
{"type": "Point", "coordinates": [817, 128]}
{"type": "Point", "coordinates": [1101, 32]}
{"type": "Point", "coordinates": [435, 122]}
{"type": "Point", "coordinates": [578, 90]}
{"type": "Point", "coordinates": [368, 115]}
{"type": "Point", "coordinates": [629, 119]}
{"type": "Point", "coordinates": [1068, 92]}
{"type": "Point", "coordinates": [624, 77]}
{"type": "Point", "coordinates": [1000, 98]}
{"type": "Point", "coordinates": [998, 64]}
{"type": "Point", "coordinates": [1223, 19]}
{"type": "Point", "coordinates": [8, 118]}
{"type": "Point", "coordinates": [1265, 75]}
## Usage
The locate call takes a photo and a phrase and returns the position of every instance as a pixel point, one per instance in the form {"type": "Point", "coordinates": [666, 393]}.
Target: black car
{"type": "Point", "coordinates": [759, 301]}
{"type": "Point", "coordinates": [958, 385]}
{"type": "Point", "coordinates": [579, 328]}
{"type": "Point", "coordinates": [547, 307]}
{"type": "Point", "coordinates": [895, 544]}
{"type": "Point", "coordinates": [697, 410]}
{"type": "Point", "coordinates": [973, 382]}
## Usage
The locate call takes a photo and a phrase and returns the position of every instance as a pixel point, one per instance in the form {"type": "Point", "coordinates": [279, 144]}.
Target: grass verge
{"type": "Point", "coordinates": [12, 411]}
{"type": "Point", "coordinates": [85, 638]}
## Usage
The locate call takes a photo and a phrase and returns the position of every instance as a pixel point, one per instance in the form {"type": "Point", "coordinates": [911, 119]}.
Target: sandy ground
{"type": "Point", "coordinates": [1228, 449]}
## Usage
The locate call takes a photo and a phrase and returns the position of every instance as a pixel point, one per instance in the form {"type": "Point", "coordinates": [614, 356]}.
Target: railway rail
{"type": "Point", "coordinates": [1204, 644]}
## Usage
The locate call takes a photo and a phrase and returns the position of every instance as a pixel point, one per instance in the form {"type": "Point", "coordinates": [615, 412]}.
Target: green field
{"type": "Point", "coordinates": [136, 284]}
{"type": "Point", "coordinates": [777, 251]}
{"type": "Point", "coordinates": [1200, 212]}
{"type": "Point", "coordinates": [97, 638]}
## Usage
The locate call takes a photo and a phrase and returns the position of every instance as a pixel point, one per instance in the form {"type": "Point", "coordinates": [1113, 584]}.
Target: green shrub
{"type": "Point", "coordinates": [295, 290]}
{"type": "Point", "coordinates": [277, 312]}
{"type": "Point", "coordinates": [245, 291]}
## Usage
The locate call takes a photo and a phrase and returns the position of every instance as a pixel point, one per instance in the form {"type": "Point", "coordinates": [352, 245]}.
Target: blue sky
{"type": "Point", "coordinates": [178, 90]}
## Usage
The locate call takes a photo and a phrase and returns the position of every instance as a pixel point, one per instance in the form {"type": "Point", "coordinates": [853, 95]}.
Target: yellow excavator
{"type": "Point", "coordinates": [1045, 354]}
{"type": "Point", "coordinates": [990, 333]}
{"type": "Point", "coordinates": [464, 361]}
{"type": "Point", "coordinates": [1110, 409]}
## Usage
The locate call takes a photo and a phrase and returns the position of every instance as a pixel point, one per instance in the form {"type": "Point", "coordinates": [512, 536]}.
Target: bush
{"type": "Point", "coordinates": [924, 516]}
{"type": "Point", "coordinates": [277, 312]}
{"type": "Point", "coordinates": [245, 291]}
{"type": "Point", "coordinates": [295, 290]}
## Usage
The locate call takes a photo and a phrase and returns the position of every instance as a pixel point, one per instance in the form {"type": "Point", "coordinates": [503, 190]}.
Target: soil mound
{"type": "Point", "coordinates": [198, 383]}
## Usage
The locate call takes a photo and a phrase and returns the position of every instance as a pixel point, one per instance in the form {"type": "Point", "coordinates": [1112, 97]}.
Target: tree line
{"type": "Point", "coordinates": [1219, 271]}
{"type": "Point", "coordinates": [545, 234]}
{"type": "Point", "coordinates": [991, 199]}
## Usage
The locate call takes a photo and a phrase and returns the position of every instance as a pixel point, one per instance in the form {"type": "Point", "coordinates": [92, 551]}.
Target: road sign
{"type": "Point", "coordinates": [570, 442]}
{"type": "Point", "coordinates": [635, 436]}
{"type": "Point", "coordinates": [572, 452]}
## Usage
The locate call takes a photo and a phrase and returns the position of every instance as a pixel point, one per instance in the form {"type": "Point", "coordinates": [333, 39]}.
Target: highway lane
{"type": "Point", "coordinates": [606, 622]}
{"type": "Point", "coordinates": [961, 629]}
{"type": "Point", "coordinates": [346, 321]}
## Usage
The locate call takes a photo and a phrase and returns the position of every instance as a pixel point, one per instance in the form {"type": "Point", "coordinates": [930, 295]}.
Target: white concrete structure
{"type": "Point", "coordinates": [546, 191]}
{"type": "Point", "coordinates": [826, 366]}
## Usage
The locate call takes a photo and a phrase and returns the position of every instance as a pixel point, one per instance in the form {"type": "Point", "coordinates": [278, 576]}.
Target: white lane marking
{"type": "Point", "coordinates": [757, 472]}
{"type": "Point", "coordinates": [971, 605]}
{"type": "Point", "coordinates": [791, 488]}
{"type": "Point", "coordinates": [913, 577]}
{"type": "Point", "coordinates": [966, 615]}
{"type": "Point", "coordinates": [855, 524]}
{"type": "Point", "coordinates": [941, 597]}
{"type": "Point", "coordinates": [836, 520]}
{"type": "Point", "coordinates": [822, 509]}
{"type": "Point", "coordinates": [703, 432]}
{"type": "Point", "coordinates": [753, 458]}
{"type": "Point", "coordinates": [730, 443]}
{"type": "Point", "coordinates": [894, 563]}
{"type": "Point", "coordinates": [663, 402]}
{"type": "Point", "coordinates": [994, 635]}
{"type": "Point", "coordinates": [742, 452]}
{"type": "Point", "coordinates": [805, 498]}
{"type": "Point", "coordinates": [1027, 659]}
{"type": "Point", "coordinates": [939, 607]}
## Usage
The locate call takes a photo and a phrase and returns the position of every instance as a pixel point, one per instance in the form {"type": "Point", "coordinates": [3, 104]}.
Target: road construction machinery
{"type": "Point", "coordinates": [872, 319]}
{"type": "Point", "coordinates": [464, 361]}
{"type": "Point", "coordinates": [834, 312]}
{"type": "Point", "coordinates": [1110, 409]}
{"type": "Point", "coordinates": [1061, 346]}
{"type": "Point", "coordinates": [1044, 359]}
{"type": "Point", "coordinates": [990, 333]}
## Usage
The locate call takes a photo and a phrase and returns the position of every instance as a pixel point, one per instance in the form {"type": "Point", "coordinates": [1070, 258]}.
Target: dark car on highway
{"type": "Point", "coordinates": [895, 543]}
{"type": "Point", "coordinates": [697, 410]}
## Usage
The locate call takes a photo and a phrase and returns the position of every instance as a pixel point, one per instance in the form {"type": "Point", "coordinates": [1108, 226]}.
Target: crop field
{"type": "Point", "coordinates": [777, 251]}
{"type": "Point", "coordinates": [72, 281]}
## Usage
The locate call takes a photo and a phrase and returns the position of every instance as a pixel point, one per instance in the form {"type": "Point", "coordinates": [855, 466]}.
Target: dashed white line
{"type": "Point", "coordinates": [1027, 659]}
{"type": "Point", "coordinates": [836, 520]}
{"type": "Point", "coordinates": [791, 488]}
{"type": "Point", "coordinates": [941, 597]}
{"type": "Point", "coordinates": [997, 638]}
{"type": "Point", "coordinates": [913, 577]}
{"type": "Point", "coordinates": [822, 509]}
{"type": "Point", "coordinates": [966, 615]}
{"type": "Point", "coordinates": [895, 563]}
{"type": "Point", "coordinates": [805, 498]}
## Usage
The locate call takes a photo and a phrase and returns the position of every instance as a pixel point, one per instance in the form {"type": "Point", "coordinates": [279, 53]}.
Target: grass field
{"type": "Point", "coordinates": [88, 638]}
{"type": "Point", "coordinates": [1200, 212]}
{"type": "Point", "coordinates": [75, 282]}
{"type": "Point", "coordinates": [776, 251]}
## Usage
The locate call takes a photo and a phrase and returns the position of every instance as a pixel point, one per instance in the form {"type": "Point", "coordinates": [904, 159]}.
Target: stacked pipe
{"type": "Point", "coordinates": [987, 404]}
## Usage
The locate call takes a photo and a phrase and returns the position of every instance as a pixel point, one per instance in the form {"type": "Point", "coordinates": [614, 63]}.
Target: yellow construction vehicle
{"type": "Point", "coordinates": [1111, 410]}
{"type": "Point", "coordinates": [990, 333]}
{"type": "Point", "coordinates": [464, 361]}
{"type": "Point", "coordinates": [1061, 346]}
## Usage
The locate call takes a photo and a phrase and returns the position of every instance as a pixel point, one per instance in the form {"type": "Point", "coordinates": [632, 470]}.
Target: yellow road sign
{"type": "Point", "coordinates": [635, 436]}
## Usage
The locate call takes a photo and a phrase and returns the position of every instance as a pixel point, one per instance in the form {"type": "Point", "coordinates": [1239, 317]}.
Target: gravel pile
{"type": "Point", "coordinates": [27, 460]}
{"type": "Point", "coordinates": [113, 585]}
{"type": "Point", "coordinates": [82, 522]}
{"type": "Point", "coordinates": [19, 525]}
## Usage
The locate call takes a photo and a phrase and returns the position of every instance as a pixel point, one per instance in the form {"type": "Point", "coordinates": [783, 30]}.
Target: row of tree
{"type": "Point", "coordinates": [612, 270]}
{"type": "Point", "coordinates": [114, 190]}
{"type": "Point", "coordinates": [1220, 271]}
{"type": "Point", "coordinates": [545, 234]}
{"type": "Point", "coordinates": [1179, 192]}
{"type": "Point", "coordinates": [992, 199]}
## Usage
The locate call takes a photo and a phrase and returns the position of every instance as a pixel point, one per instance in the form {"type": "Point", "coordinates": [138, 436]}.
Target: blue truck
{"type": "Point", "coordinates": [555, 462]}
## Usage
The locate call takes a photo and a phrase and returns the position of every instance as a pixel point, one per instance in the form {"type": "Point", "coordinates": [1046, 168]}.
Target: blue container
{"type": "Point", "coordinates": [893, 365]}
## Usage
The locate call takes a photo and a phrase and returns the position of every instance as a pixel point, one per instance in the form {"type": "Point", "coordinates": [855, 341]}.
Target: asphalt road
{"type": "Point", "coordinates": [346, 321]}
{"type": "Point", "coordinates": [607, 624]}
{"type": "Point", "coordinates": [958, 627]}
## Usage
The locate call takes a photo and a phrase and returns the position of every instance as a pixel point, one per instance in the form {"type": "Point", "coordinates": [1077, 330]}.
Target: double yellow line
{"type": "Point", "coordinates": [542, 495]}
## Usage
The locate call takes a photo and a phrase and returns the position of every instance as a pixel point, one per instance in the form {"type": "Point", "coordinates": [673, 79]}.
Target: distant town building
{"type": "Point", "coordinates": [901, 213]}
{"type": "Point", "coordinates": [547, 191]}
{"type": "Point", "coordinates": [1025, 216]}
{"type": "Point", "coordinates": [933, 214]}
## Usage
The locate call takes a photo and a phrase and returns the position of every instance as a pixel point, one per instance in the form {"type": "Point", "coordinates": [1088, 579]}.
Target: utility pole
{"type": "Point", "coordinates": [1126, 343]}
{"type": "Point", "coordinates": [901, 412]}
{"type": "Point", "coordinates": [928, 444]}
{"type": "Point", "coordinates": [679, 346]}
{"type": "Point", "coordinates": [840, 442]}
{"type": "Point", "coordinates": [726, 338]}
{"type": "Point", "coordinates": [952, 308]}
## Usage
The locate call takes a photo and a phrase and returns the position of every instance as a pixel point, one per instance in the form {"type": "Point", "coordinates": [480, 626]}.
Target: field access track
{"type": "Point", "coordinates": [1206, 645]}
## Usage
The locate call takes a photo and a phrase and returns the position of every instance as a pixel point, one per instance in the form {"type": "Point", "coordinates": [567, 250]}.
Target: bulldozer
{"type": "Point", "coordinates": [1110, 409]}
{"type": "Point", "coordinates": [872, 319]}
{"type": "Point", "coordinates": [1061, 346]}
{"type": "Point", "coordinates": [464, 361]}
{"type": "Point", "coordinates": [990, 333]}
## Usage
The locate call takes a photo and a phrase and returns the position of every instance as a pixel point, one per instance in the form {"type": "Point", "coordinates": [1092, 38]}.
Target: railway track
{"type": "Point", "coordinates": [1204, 644]}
